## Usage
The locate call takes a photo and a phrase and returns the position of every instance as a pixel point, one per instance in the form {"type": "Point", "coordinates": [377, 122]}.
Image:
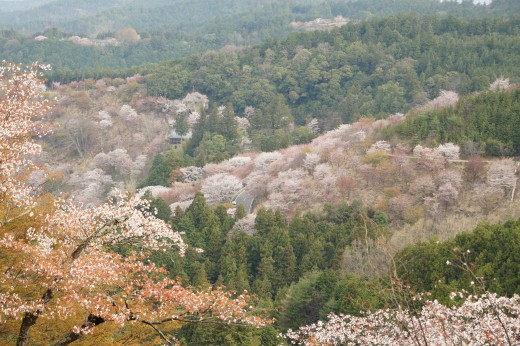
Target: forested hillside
{"type": "Point", "coordinates": [484, 124]}
{"type": "Point", "coordinates": [20, 5]}
{"type": "Point", "coordinates": [375, 68]}
{"type": "Point", "coordinates": [94, 17]}
{"type": "Point", "coordinates": [467, 262]}
{"type": "Point", "coordinates": [74, 30]}
{"type": "Point", "coordinates": [198, 173]}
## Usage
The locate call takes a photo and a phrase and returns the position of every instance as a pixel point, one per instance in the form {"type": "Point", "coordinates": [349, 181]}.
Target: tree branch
{"type": "Point", "coordinates": [164, 337]}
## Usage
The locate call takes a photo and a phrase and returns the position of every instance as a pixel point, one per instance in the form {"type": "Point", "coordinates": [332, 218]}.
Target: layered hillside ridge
{"type": "Point", "coordinates": [425, 191]}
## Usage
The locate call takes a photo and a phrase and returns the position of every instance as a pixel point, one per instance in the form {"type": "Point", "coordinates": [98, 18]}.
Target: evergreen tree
{"type": "Point", "coordinates": [200, 280]}
{"type": "Point", "coordinates": [240, 212]}
{"type": "Point", "coordinates": [181, 124]}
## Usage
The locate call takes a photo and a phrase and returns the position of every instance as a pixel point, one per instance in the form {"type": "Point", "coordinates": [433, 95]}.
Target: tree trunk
{"type": "Point", "coordinates": [29, 319]}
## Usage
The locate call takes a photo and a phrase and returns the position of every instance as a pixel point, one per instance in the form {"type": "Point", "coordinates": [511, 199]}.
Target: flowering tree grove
{"type": "Point", "coordinates": [480, 320]}
{"type": "Point", "coordinates": [57, 260]}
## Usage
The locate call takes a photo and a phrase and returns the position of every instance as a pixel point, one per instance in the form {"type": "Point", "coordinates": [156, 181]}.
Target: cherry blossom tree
{"type": "Point", "coordinates": [399, 205]}
{"type": "Point", "coordinates": [191, 174]}
{"type": "Point", "coordinates": [20, 102]}
{"type": "Point", "coordinates": [91, 186]}
{"type": "Point", "coordinates": [484, 320]}
{"type": "Point", "coordinates": [346, 185]}
{"type": "Point", "coordinates": [80, 133]}
{"type": "Point", "coordinates": [447, 194]}
{"type": "Point", "coordinates": [128, 113]}
{"type": "Point", "coordinates": [249, 112]}
{"type": "Point", "coordinates": [325, 176]}
{"type": "Point", "coordinates": [221, 188]}
{"type": "Point", "coordinates": [380, 145]}
{"type": "Point", "coordinates": [502, 175]}
{"type": "Point", "coordinates": [246, 224]}
{"type": "Point", "coordinates": [500, 84]}
{"type": "Point", "coordinates": [310, 161]}
{"type": "Point", "coordinates": [449, 150]}
{"type": "Point", "coordinates": [423, 186]}
{"type": "Point", "coordinates": [445, 99]}
{"type": "Point", "coordinates": [288, 189]}
{"type": "Point", "coordinates": [450, 176]}
{"type": "Point", "coordinates": [242, 123]}
{"type": "Point", "coordinates": [238, 161]}
{"type": "Point", "coordinates": [264, 160]}
{"type": "Point", "coordinates": [257, 184]}
{"type": "Point", "coordinates": [105, 120]}
{"type": "Point", "coordinates": [58, 260]}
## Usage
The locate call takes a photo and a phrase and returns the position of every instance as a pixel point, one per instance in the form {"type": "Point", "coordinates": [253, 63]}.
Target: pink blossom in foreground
{"type": "Point", "coordinates": [64, 263]}
{"type": "Point", "coordinates": [480, 320]}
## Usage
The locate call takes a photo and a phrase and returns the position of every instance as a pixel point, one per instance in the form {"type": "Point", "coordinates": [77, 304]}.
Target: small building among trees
{"type": "Point", "coordinates": [174, 138]}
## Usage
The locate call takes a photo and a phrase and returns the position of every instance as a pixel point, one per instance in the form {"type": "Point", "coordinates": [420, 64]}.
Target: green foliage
{"type": "Point", "coordinates": [181, 124]}
{"type": "Point", "coordinates": [158, 206]}
{"type": "Point", "coordinates": [318, 293]}
{"type": "Point", "coordinates": [212, 148]}
{"type": "Point", "coordinates": [302, 135]}
{"type": "Point", "coordinates": [491, 252]}
{"type": "Point", "coordinates": [208, 334]}
{"type": "Point", "coordinates": [306, 299]}
{"type": "Point", "coordinates": [375, 67]}
{"type": "Point", "coordinates": [489, 120]}
{"type": "Point", "coordinates": [163, 164]}
{"type": "Point", "coordinates": [293, 267]}
{"type": "Point", "coordinates": [200, 280]}
{"type": "Point", "coordinates": [219, 23]}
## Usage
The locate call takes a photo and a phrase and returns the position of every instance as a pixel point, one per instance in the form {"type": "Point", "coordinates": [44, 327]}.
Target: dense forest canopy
{"type": "Point", "coordinates": [78, 16]}
{"type": "Point", "coordinates": [170, 30]}
{"type": "Point", "coordinates": [375, 68]}
{"type": "Point", "coordinates": [485, 124]}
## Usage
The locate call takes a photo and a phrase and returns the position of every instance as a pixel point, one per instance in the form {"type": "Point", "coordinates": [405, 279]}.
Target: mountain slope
{"type": "Point", "coordinates": [487, 124]}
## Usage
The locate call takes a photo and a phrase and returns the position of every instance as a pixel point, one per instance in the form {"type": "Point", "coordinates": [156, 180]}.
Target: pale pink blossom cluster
{"type": "Point", "coordinates": [310, 161]}
{"type": "Point", "coordinates": [193, 118]}
{"type": "Point", "coordinates": [246, 224]}
{"type": "Point", "coordinates": [445, 99]}
{"type": "Point", "coordinates": [479, 320]}
{"type": "Point", "coordinates": [501, 175]}
{"type": "Point", "coordinates": [183, 205]}
{"type": "Point", "coordinates": [64, 264]}
{"type": "Point", "coordinates": [119, 161]}
{"type": "Point", "coordinates": [500, 84]}
{"type": "Point", "coordinates": [238, 161]}
{"type": "Point", "coordinates": [264, 160]}
{"type": "Point", "coordinates": [155, 191]}
{"type": "Point", "coordinates": [128, 113]}
{"type": "Point", "coordinates": [288, 188]}
{"type": "Point", "coordinates": [448, 150]}
{"type": "Point", "coordinates": [380, 145]}
{"type": "Point", "coordinates": [249, 111]}
{"type": "Point", "coordinates": [221, 188]}
{"type": "Point", "coordinates": [105, 120]}
{"type": "Point", "coordinates": [192, 174]}
{"type": "Point", "coordinates": [242, 123]}
{"type": "Point", "coordinates": [20, 102]}
{"type": "Point", "coordinates": [196, 101]}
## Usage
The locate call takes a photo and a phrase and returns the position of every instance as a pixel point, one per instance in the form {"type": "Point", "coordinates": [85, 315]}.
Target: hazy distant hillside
{"type": "Point", "coordinates": [20, 5]}
{"type": "Point", "coordinates": [166, 30]}
{"type": "Point", "coordinates": [92, 17]}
